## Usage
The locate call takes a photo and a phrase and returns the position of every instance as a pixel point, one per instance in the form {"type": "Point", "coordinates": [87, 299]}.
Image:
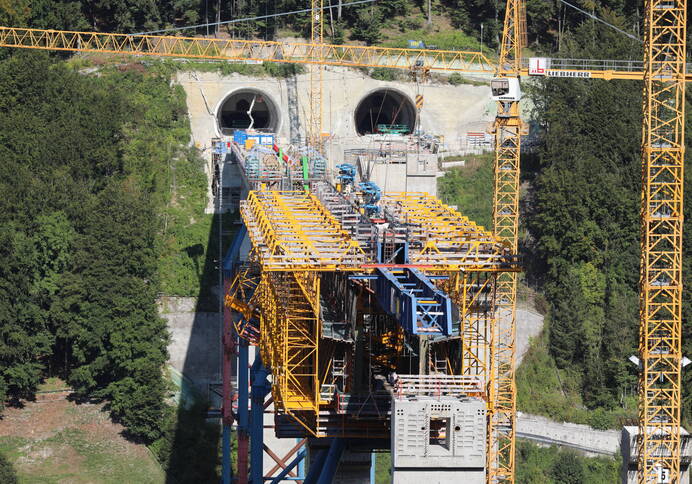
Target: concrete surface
{"type": "Point", "coordinates": [583, 438]}
{"type": "Point", "coordinates": [529, 325]}
{"type": "Point", "coordinates": [195, 346]}
{"type": "Point", "coordinates": [471, 111]}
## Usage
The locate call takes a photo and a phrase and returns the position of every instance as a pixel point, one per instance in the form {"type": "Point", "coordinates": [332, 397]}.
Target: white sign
{"type": "Point", "coordinates": [538, 66]}
{"type": "Point", "coordinates": [663, 475]}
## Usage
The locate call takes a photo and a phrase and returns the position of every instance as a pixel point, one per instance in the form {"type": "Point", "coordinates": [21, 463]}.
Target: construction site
{"type": "Point", "coordinates": [361, 313]}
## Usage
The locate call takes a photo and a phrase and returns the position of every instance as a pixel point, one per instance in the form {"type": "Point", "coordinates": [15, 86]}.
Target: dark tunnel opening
{"type": "Point", "coordinates": [247, 108]}
{"type": "Point", "coordinates": [385, 108]}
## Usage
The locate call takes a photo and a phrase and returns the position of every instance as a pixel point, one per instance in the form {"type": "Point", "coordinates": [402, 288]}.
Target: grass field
{"type": "Point", "coordinates": [57, 441]}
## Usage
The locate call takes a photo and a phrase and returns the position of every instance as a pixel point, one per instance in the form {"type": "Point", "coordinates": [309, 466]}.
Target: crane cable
{"type": "Point", "coordinates": [248, 19]}
{"type": "Point", "coordinates": [631, 36]}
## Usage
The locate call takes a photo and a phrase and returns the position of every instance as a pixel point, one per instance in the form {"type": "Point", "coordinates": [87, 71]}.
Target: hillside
{"type": "Point", "coordinates": [54, 440]}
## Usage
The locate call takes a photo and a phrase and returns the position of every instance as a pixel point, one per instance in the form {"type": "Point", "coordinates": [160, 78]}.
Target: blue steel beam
{"type": "Point", "coordinates": [411, 297]}
{"type": "Point", "coordinates": [332, 461]}
{"type": "Point", "coordinates": [316, 465]}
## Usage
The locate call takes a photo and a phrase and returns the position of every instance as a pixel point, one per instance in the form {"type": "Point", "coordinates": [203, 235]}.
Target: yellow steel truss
{"type": "Point", "coordinates": [232, 49]}
{"type": "Point", "coordinates": [290, 332]}
{"type": "Point", "coordinates": [293, 231]}
{"type": "Point", "coordinates": [663, 155]}
{"type": "Point", "coordinates": [317, 38]}
{"type": "Point", "coordinates": [502, 386]}
{"type": "Point", "coordinates": [442, 237]}
{"type": "Point", "coordinates": [474, 295]}
{"type": "Point", "coordinates": [269, 51]}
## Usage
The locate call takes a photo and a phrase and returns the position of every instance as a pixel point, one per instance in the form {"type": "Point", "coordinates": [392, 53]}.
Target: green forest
{"type": "Point", "coordinates": [101, 200]}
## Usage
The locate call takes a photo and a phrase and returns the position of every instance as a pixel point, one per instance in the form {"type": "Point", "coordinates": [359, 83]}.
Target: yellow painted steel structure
{"type": "Point", "coordinates": [663, 157]}
{"type": "Point", "coordinates": [271, 51]}
{"type": "Point", "coordinates": [443, 239]}
{"type": "Point", "coordinates": [474, 295]}
{"type": "Point", "coordinates": [316, 70]}
{"type": "Point", "coordinates": [244, 50]}
{"type": "Point", "coordinates": [295, 238]}
{"type": "Point", "coordinates": [502, 391]}
{"type": "Point", "coordinates": [293, 231]}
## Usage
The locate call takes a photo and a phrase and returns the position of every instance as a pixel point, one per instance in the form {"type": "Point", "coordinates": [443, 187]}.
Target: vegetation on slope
{"type": "Point", "coordinates": [583, 250]}
{"type": "Point", "coordinates": [470, 188]}
{"type": "Point", "coordinates": [100, 204]}
{"type": "Point", "coordinates": [69, 442]}
{"type": "Point", "coordinates": [557, 466]}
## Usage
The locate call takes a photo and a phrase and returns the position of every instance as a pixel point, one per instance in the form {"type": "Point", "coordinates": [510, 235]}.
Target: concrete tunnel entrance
{"type": "Point", "coordinates": [247, 108]}
{"type": "Point", "coordinates": [385, 107]}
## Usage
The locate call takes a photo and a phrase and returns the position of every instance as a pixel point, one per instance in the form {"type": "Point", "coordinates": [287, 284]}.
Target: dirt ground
{"type": "Point", "coordinates": [54, 440]}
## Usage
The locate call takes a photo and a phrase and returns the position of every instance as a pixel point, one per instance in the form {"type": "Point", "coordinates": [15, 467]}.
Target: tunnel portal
{"type": "Point", "coordinates": [385, 108]}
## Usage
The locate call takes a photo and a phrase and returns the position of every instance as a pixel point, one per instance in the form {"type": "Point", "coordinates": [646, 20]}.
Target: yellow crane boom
{"type": "Point", "coordinates": [292, 52]}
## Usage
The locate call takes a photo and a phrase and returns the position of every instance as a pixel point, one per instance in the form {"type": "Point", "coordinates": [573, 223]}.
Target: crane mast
{"type": "Point", "coordinates": [663, 156]}
{"type": "Point", "coordinates": [316, 39]}
{"type": "Point", "coordinates": [508, 130]}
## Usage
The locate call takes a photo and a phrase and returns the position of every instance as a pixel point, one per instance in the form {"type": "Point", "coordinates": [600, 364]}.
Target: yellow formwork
{"type": "Point", "coordinates": [293, 231]}
{"type": "Point", "coordinates": [474, 295]}
{"type": "Point", "coordinates": [443, 238]}
{"type": "Point", "coordinates": [290, 332]}
{"type": "Point", "coordinates": [663, 155]}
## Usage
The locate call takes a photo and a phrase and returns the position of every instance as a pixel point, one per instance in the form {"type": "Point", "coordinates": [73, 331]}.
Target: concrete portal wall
{"type": "Point", "coordinates": [448, 111]}
{"type": "Point", "coordinates": [195, 346]}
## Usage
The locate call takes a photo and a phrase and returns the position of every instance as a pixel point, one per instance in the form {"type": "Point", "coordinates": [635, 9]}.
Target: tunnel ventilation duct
{"type": "Point", "coordinates": [385, 110]}
{"type": "Point", "coordinates": [248, 108]}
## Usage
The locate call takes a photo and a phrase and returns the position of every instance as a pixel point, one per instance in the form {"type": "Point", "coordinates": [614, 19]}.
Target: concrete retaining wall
{"type": "Point", "coordinates": [579, 437]}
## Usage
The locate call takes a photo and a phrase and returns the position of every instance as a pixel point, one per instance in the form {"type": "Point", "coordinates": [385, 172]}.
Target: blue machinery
{"type": "Point", "coordinates": [371, 196]}
{"type": "Point", "coordinates": [412, 298]}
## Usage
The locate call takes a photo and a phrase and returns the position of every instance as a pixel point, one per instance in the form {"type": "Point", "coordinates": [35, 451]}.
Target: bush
{"type": "Point", "coordinates": [410, 24]}
{"type": "Point", "coordinates": [7, 473]}
{"type": "Point", "coordinates": [283, 70]}
{"type": "Point", "coordinates": [455, 79]}
{"type": "Point", "coordinates": [385, 74]}
{"type": "Point", "coordinates": [367, 27]}
{"type": "Point", "coordinates": [568, 469]}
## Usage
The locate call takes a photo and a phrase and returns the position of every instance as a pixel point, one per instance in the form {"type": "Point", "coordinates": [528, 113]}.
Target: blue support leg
{"type": "Point", "coordinates": [260, 388]}
{"type": "Point", "coordinates": [316, 464]}
{"type": "Point", "coordinates": [332, 461]}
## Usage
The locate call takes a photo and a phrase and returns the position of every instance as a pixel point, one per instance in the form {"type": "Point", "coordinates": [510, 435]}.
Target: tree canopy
{"type": "Point", "coordinates": [78, 235]}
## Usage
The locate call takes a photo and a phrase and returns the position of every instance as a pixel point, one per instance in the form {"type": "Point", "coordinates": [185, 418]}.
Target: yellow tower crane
{"type": "Point", "coordinates": [508, 130]}
{"type": "Point", "coordinates": [660, 284]}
